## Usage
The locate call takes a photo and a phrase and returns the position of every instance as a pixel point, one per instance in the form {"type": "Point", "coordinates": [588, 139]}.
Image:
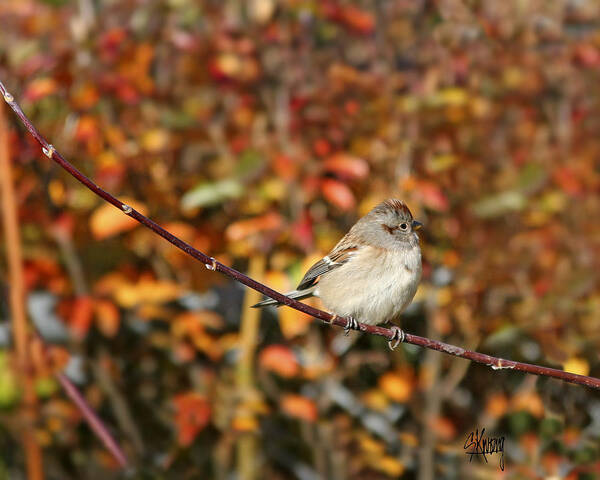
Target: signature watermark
{"type": "Point", "coordinates": [477, 444]}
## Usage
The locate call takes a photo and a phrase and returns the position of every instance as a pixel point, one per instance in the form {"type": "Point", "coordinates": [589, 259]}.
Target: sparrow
{"type": "Point", "coordinates": [372, 274]}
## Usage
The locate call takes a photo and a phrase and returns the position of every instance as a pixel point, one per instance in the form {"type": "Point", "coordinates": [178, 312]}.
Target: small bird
{"type": "Point", "coordinates": [372, 274]}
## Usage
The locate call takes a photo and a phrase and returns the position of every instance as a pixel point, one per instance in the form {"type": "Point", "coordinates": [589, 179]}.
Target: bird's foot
{"type": "Point", "coordinates": [398, 337]}
{"type": "Point", "coordinates": [351, 324]}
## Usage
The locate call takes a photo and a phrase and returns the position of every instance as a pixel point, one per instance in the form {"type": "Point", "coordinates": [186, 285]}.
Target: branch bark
{"type": "Point", "coordinates": [494, 362]}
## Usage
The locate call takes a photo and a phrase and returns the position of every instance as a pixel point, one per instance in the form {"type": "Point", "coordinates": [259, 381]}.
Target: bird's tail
{"type": "Point", "coordinates": [296, 294]}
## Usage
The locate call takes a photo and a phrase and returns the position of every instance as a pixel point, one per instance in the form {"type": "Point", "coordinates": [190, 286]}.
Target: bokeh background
{"type": "Point", "coordinates": [259, 132]}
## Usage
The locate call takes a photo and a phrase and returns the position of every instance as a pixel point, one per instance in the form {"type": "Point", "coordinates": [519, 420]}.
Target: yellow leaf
{"type": "Point", "coordinates": [375, 400]}
{"type": "Point", "coordinates": [155, 140]}
{"type": "Point", "coordinates": [107, 220]}
{"type": "Point", "coordinates": [245, 423]}
{"type": "Point", "coordinates": [371, 446]}
{"type": "Point", "coordinates": [453, 96]}
{"type": "Point", "coordinates": [577, 365]}
{"type": "Point", "coordinates": [390, 465]}
{"type": "Point", "coordinates": [146, 291]}
{"type": "Point", "coordinates": [529, 402]}
{"type": "Point", "coordinates": [293, 323]}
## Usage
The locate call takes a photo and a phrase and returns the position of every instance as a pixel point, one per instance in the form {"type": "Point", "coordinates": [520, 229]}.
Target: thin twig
{"type": "Point", "coordinates": [93, 420]}
{"type": "Point", "coordinates": [245, 382]}
{"type": "Point", "coordinates": [33, 452]}
{"type": "Point", "coordinates": [118, 402]}
{"type": "Point", "coordinates": [493, 362]}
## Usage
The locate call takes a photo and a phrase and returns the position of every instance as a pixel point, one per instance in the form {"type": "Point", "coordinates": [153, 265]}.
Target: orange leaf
{"type": "Point", "coordinates": [244, 228]}
{"type": "Point", "coordinates": [299, 407]}
{"type": "Point", "coordinates": [58, 357]}
{"type": "Point", "coordinates": [192, 414]}
{"type": "Point", "coordinates": [85, 96]}
{"type": "Point", "coordinates": [279, 359]}
{"type": "Point", "coordinates": [293, 323]}
{"type": "Point", "coordinates": [87, 128]}
{"type": "Point", "coordinates": [338, 193]}
{"type": "Point", "coordinates": [108, 317]}
{"type": "Point", "coordinates": [81, 315]}
{"type": "Point", "coordinates": [285, 167]}
{"type": "Point", "coordinates": [530, 402]}
{"type": "Point", "coordinates": [443, 427]}
{"type": "Point", "coordinates": [358, 20]}
{"type": "Point", "coordinates": [497, 405]}
{"type": "Point", "coordinates": [398, 386]}
{"type": "Point", "coordinates": [346, 166]}
{"type": "Point", "coordinates": [40, 88]}
{"type": "Point", "coordinates": [107, 220]}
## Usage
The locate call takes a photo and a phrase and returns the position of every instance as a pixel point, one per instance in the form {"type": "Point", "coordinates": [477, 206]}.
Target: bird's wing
{"type": "Point", "coordinates": [341, 253]}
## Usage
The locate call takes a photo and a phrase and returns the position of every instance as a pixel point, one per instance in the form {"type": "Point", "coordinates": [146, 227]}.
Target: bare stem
{"type": "Point", "coordinates": [21, 332]}
{"type": "Point", "coordinates": [93, 420]}
{"type": "Point", "coordinates": [33, 452]}
{"type": "Point", "coordinates": [493, 362]}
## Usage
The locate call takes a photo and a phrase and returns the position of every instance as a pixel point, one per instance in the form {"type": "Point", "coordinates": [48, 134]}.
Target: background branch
{"type": "Point", "coordinates": [21, 331]}
{"type": "Point", "coordinates": [494, 362]}
{"type": "Point", "coordinates": [33, 452]}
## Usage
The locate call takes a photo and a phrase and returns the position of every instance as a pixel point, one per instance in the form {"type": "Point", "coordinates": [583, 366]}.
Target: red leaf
{"type": "Point", "coordinates": [338, 193]}
{"type": "Point", "coordinates": [432, 196]}
{"type": "Point", "coordinates": [566, 179]}
{"type": "Point", "coordinates": [350, 16]}
{"type": "Point", "coordinates": [587, 55]}
{"type": "Point", "coordinates": [358, 20]}
{"type": "Point", "coordinates": [302, 232]}
{"type": "Point", "coordinates": [81, 315]}
{"type": "Point", "coordinates": [322, 147]}
{"type": "Point", "coordinates": [279, 359]}
{"type": "Point", "coordinates": [347, 166]}
{"type": "Point", "coordinates": [192, 415]}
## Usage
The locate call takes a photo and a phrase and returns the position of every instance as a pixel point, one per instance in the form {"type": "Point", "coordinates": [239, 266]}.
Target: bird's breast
{"type": "Point", "coordinates": [375, 286]}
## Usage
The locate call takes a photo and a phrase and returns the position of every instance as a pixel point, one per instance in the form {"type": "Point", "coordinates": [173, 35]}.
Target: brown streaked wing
{"type": "Point", "coordinates": [335, 259]}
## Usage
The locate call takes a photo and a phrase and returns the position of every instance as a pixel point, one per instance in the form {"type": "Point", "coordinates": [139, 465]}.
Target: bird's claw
{"type": "Point", "coordinates": [351, 324]}
{"type": "Point", "coordinates": [399, 337]}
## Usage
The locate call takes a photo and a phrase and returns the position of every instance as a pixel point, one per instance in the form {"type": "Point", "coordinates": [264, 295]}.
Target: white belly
{"type": "Point", "coordinates": [373, 288]}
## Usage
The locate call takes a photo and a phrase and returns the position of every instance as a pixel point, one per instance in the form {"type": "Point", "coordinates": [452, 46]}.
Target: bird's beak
{"type": "Point", "coordinates": [416, 225]}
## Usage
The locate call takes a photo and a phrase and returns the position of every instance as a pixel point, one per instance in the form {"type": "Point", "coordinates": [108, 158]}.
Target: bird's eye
{"type": "Point", "coordinates": [403, 226]}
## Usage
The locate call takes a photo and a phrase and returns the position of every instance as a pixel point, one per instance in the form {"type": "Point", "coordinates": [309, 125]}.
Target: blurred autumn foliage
{"type": "Point", "coordinates": [259, 131]}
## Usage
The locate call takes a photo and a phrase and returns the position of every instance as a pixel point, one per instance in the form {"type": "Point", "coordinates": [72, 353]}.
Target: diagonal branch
{"type": "Point", "coordinates": [494, 362]}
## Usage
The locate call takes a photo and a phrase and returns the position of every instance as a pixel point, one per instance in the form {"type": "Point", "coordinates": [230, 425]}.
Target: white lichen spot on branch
{"type": "Point", "coordinates": [451, 349]}
{"type": "Point", "coordinates": [213, 265]}
{"type": "Point", "coordinates": [49, 151]}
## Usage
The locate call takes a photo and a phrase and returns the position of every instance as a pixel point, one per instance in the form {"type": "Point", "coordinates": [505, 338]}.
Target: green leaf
{"type": "Point", "coordinates": [45, 386]}
{"type": "Point", "coordinates": [213, 193]}
{"type": "Point", "coordinates": [531, 177]}
{"type": "Point", "coordinates": [56, 3]}
{"type": "Point", "coordinates": [9, 388]}
{"type": "Point", "coordinates": [499, 204]}
{"type": "Point", "coordinates": [249, 162]}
